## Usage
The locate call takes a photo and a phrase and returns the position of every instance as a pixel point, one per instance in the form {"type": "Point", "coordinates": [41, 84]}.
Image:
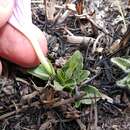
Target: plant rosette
{"type": "Point", "coordinates": [69, 77]}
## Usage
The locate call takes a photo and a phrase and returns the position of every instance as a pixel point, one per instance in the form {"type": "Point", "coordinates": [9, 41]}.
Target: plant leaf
{"type": "Point", "coordinates": [39, 72]}
{"type": "Point", "coordinates": [70, 84]}
{"type": "Point", "coordinates": [65, 76]}
{"type": "Point", "coordinates": [58, 86]}
{"type": "Point", "coordinates": [60, 76]}
{"type": "Point", "coordinates": [91, 94]}
{"type": "Point", "coordinates": [125, 82]}
{"type": "Point", "coordinates": [75, 61]}
{"type": "Point", "coordinates": [81, 76]}
{"type": "Point", "coordinates": [63, 81]}
{"type": "Point", "coordinates": [123, 63]}
{"type": "Point", "coordinates": [77, 104]}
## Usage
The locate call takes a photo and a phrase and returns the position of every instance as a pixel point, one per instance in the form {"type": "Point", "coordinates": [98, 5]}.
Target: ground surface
{"type": "Point", "coordinates": [28, 103]}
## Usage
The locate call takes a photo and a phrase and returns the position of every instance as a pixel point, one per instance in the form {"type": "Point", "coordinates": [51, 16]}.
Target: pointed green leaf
{"type": "Point", "coordinates": [58, 86]}
{"type": "Point", "coordinates": [76, 60]}
{"type": "Point", "coordinates": [91, 94]}
{"type": "Point", "coordinates": [122, 82]}
{"type": "Point", "coordinates": [77, 104]}
{"type": "Point", "coordinates": [39, 72]}
{"type": "Point", "coordinates": [60, 76]}
{"type": "Point", "coordinates": [52, 74]}
{"type": "Point", "coordinates": [125, 82]}
{"type": "Point", "coordinates": [123, 63]}
{"type": "Point", "coordinates": [128, 85]}
{"type": "Point", "coordinates": [82, 76]}
{"type": "Point", "coordinates": [71, 83]}
{"type": "Point", "coordinates": [68, 85]}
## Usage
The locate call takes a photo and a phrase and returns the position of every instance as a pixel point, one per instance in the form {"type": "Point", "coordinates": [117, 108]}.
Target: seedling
{"type": "Point", "coordinates": [69, 77]}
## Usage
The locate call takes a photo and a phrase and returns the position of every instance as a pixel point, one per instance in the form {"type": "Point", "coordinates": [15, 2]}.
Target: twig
{"type": "Point", "coordinates": [63, 17]}
{"type": "Point", "coordinates": [89, 80]}
{"type": "Point", "coordinates": [118, 3]}
{"type": "Point", "coordinates": [22, 80]}
{"type": "Point", "coordinates": [91, 118]}
{"type": "Point", "coordinates": [68, 11]}
{"type": "Point", "coordinates": [96, 116]}
{"type": "Point", "coordinates": [124, 43]}
{"type": "Point", "coordinates": [81, 125]}
{"type": "Point", "coordinates": [29, 96]}
{"type": "Point", "coordinates": [2, 117]}
{"type": "Point", "coordinates": [94, 23]}
{"type": "Point", "coordinates": [69, 32]}
{"type": "Point", "coordinates": [70, 100]}
{"type": "Point", "coordinates": [79, 39]}
{"type": "Point", "coordinates": [96, 42]}
{"type": "Point", "coordinates": [47, 124]}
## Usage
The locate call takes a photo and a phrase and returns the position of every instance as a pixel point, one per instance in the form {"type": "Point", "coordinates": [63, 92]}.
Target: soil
{"type": "Point", "coordinates": [29, 103]}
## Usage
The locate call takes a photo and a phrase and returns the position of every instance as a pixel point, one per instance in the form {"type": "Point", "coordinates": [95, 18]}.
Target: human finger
{"type": "Point", "coordinates": [16, 47]}
{"type": "Point", "coordinates": [6, 7]}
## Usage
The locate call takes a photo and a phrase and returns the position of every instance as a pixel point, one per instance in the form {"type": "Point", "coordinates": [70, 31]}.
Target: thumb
{"type": "Point", "coordinates": [6, 7]}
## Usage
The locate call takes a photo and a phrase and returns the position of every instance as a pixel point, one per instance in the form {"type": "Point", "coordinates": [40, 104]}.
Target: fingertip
{"type": "Point", "coordinates": [20, 51]}
{"type": "Point", "coordinates": [6, 8]}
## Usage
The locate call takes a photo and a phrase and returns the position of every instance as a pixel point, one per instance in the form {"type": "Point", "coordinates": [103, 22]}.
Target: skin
{"type": "Point", "coordinates": [14, 46]}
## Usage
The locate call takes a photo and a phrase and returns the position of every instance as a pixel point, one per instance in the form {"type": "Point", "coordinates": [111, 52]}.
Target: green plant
{"type": "Point", "coordinates": [69, 77]}
{"type": "Point", "coordinates": [124, 64]}
{"type": "Point", "coordinates": [71, 74]}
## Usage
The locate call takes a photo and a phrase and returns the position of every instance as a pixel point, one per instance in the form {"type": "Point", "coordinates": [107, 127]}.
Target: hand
{"type": "Point", "coordinates": [14, 45]}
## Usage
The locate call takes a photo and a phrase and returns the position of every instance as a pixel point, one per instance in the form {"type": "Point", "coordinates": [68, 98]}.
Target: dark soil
{"type": "Point", "coordinates": [27, 103]}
